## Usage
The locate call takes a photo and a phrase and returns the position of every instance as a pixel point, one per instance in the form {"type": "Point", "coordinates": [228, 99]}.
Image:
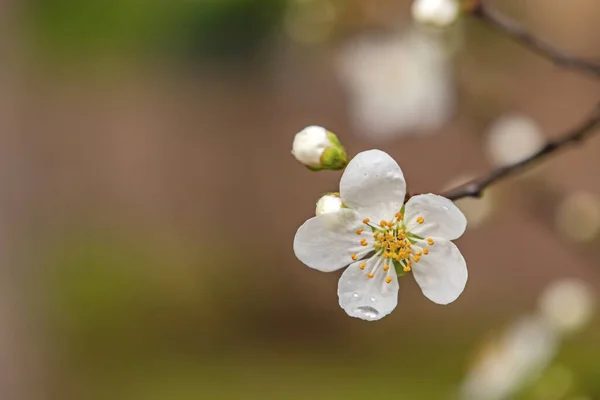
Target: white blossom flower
{"type": "Point", "coordinates": [381, 239]}
{"type": "Point", "coordinates": [440, 13]}
{"type": "Point", "coordinates": [317, 148]}
{"type": "Point", "coordinates": [329, 203]}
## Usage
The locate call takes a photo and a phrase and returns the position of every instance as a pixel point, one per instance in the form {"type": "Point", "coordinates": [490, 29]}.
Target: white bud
{"type": "Point", "coordinates": [318, 149]}
{"type": "Point", "coordinates": [329, 203]}
{"type": "Point", "coordinates": [567, 304]}
{"type": "Point", "coordinates": [440, 13]}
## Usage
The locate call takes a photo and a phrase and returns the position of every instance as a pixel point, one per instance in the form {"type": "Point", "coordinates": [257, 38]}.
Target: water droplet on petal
{"type": "Point", "coordinates": [355, 295]}
{"type": "Point", "coordinates": [367, 312]}
{"type": "Point", "coordinates": [373, 299]}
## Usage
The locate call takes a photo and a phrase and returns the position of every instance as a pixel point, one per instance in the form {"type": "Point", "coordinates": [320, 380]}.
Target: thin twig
{"type": "Point", "coordinates": [488, 14]}
{"type": "Point", "coordinates": [476, 187]}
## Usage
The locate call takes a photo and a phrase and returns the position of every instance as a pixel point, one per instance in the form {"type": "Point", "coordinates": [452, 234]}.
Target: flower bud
{"type": "Point", "coordinates": [318, 149]}
{"type": "Point", "coordinates": [329, 203]}
{"type": "Point", "coordinates": [439, 13]}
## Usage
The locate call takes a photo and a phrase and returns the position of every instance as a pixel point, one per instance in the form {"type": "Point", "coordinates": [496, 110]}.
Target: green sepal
{"type": "Point", "coordinates": [399, 268]}
{"type": "Point", "coordinates": [334, 158]}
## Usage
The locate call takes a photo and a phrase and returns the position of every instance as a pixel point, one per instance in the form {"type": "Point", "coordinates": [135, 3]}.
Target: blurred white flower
{"type": "Point", "coordinates": [329, 203]}
{"type": "Point", "coordinates": [517, 358]}
{"type": "Point", "coordinates": [512, 138]}
{"type": "Point", "coordinates": [567, 304]}
{"type": "Point", "coordinates": [396, 239]}
{"type": "Point", "coordinates": [440, 13]}
{"type": "Point", "coordinates": [578, 217]}
{"type": "Point", "coordinates": [317, 148]}
{"type": "Point", "coordinates": [397, 83]}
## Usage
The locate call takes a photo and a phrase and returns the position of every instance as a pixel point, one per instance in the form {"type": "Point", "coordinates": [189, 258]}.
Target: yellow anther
{"type": "Point", "coordinates": [370, 275]}
{"type": "Point", "coordinates": [386, 267]}
{"type": "Point", "coordinates": [420, 220]}
{"type": "Point", "coordinates": [416, 258]}
{"type": "Point", "coordinates": [366, 221]}
{"type": "Point", "coordinates": [388, 279]}
{"type": "Point", "coordinates": [377, 246]}
{"type": "Point", "coordinates": [386, 245]}
{"type": "Point", "coordinates": [389, 236]}
{"type": "Point", "coordinates": [398, 216]}
{"type": "Point", "coordinates": [419, 253]}
{"type": "Point", "coordinates": [383, 223]}
{"type": "Point", "coordinates": [362, 265]}
{"type": "Point", "coordinates": [354, 257]}
{"type": "Point", "coordinates": [406, 268]}
{"type": "Point", "coordinates": [430, 241]}
{"type": "Point", "coordinates": [359, 231]}
{"type": "Point", "coordinates": [425, 251]}
{"type": "Point", "coordinates": [363, 242]}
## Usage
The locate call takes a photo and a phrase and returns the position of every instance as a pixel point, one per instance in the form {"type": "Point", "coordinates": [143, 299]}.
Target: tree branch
{"type": "Point", "coordinates": [482, 10]}
{"type": "Point", "coordinates": [576, 135]}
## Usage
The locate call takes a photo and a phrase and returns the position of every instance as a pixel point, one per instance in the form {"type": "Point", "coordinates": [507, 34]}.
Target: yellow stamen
{"type": "Point", "coordinates": [370, 275]}
{"type": "Point", "coordinates": [388, 279]}
{"type": "Point", "coordinates": [354, 257]}
{"type": "Point", "coordinates": [425, 251]}
{"type": "Point", "coordinates": [406, 268]}
{"type": "Point", "coordinates": [416, 258]}
{"type": "Point", "coordinates": [362, 265]}
{"type": "Point", "coordinates": [418, 253]}
{"type": "Point", "coordinates": [363, 242]}
{"type": "Point", "coordinates": [366, 221]}
{"type": "Point", "coordinates": [430, 241]}
{"type": "Point", "coordinates": [386, 267]}
{"type": "Point", "coordinates": [383, 223]}
{"type": "Point", "coordinates": [398, 216]}
{"type": "Point", "coordinates": [420, 220]}
{"type": "Point", "coordinates": [359, 231]}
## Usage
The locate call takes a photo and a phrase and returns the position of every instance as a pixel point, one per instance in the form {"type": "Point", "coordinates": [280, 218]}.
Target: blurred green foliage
{"type": "Point", "coordinates": [194, 28]}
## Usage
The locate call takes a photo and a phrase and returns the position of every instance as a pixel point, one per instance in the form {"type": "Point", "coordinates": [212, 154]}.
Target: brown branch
{"type": "Point", "coordinates": [482, 10]}
{"type": "Point", "coordinates": [576, 135]}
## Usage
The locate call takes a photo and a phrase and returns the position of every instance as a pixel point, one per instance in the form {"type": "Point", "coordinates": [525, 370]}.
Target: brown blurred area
{"type": "Point", "coordinates": [150, 203]}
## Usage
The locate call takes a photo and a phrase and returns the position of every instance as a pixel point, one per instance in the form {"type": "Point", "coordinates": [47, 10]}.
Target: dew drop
{"type": "Point", "coordinates": [373, 299]}
{"type": "Point", "coordinates": [355, 295]}
{"type": "Point", "coordinates": [367, 312]}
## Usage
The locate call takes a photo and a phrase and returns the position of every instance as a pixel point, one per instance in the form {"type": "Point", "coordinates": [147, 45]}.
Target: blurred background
{"type": "Point", "coordinates": [150, 200]}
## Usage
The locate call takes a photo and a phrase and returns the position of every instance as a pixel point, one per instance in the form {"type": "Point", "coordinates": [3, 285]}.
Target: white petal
{"type": "Point", "coordinates": [326, 242]}
{"type": "Point", "coordinates": [373, 185]}
{"type": "Point", "coordinates": [441, 217]}
{"type": "Point", "coordinates": [368, 298]}
{"type": "Point", "coordinates": [441, 274]}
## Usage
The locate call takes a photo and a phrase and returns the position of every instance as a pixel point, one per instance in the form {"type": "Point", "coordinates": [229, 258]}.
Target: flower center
{"type": "Point", "coordinates": [393, 245]}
